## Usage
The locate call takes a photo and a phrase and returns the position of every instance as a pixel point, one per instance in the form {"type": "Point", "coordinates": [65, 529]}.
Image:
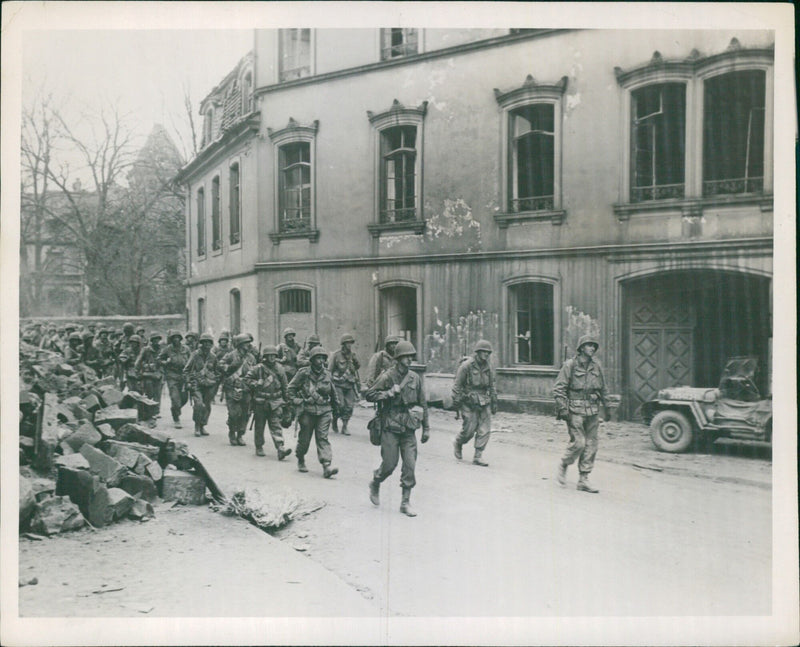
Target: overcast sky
{"type": "Point", "coordinates": [143, 72]}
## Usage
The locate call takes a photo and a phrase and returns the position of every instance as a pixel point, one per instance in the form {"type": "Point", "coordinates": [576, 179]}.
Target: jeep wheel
{"type": "Point", "coordinates": [671, 431]}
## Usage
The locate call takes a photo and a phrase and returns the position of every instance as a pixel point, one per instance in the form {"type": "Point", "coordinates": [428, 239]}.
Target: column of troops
{"type": "Point", "coordinates": [276, 386]}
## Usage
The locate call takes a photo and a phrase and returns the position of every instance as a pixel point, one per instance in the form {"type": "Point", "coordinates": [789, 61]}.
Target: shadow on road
{"type": "Point", "coordinates": [737, 449]}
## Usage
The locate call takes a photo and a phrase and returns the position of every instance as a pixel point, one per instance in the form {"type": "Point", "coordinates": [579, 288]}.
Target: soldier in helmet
{"type": "Point", "coordinates": [105, 353]}
{"type": "Point", "coordinates": [150, 370]}
{"type": "Point", "coordinates": [173, 358]}
{"type": "Point", "coordinates": [200, 375]}
{"type": "Point", "coordinates": [73, 353]}
{"type": "Point", "coordinates": [475, 397]}
{"type": "Point", "coordinates": [344, 373]}
{"type": "Point", "coordinates": [268, 390]}
{"type": "Point", "coordinates": [120, 345]}
{"type": "Point", "coordinates": [191, 341]}
{"type": "Point", "coordinates": [288, 352]}
{"type": "Point", "coordinates": [220, 350]}
{"type": "Point", "coordinates": [381, 360]}
{"type": "Point", "coordinates": [303, 358]}
{"type": "Point", "coordinates": [402, 409]}
{"type": "Point", "coordinates": [91, 357]}
{"type": "Point", "coordinates": [311, 390]}
{"type": "Point", "coordinates": [579, 392]}
{"type": "Point", "coordinates": [234, 367]}
{"type": "Point", "coordinates": [127, 363]}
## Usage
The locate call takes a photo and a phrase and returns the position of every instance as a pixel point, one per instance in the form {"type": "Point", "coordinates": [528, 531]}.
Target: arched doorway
{"type": "Point", "coordinates": [679, 328]}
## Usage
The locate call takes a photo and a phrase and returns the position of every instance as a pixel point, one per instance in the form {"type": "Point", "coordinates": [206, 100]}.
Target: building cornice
{"type": "Point", "coordinates": [681, 247]}
{"type": "Point", "coordinates": [463, 48]}
{"type": "Point", "coordinates": [248, 125]}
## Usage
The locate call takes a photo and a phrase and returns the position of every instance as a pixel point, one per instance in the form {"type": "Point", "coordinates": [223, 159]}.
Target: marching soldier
{"type": "Point", "coordinates": [344, 373]}
{"type": "Point", "coordinates": [173, 359]}
{"type": "Point", "coordinates": [381, 360]}
{"type": "Point", "coordinates": [579, 392]}
{"type": "Point", "coordinates": [220, 350]}
{"type": "Point", "coordinates": [105, 353]}
{"type": "Point", "coordinates": [288, 352]}
{"type": "Point", "coordinates": [120, 345]}
{"type": "Point", "coordinates": [91, 356]}
{"type": "Point", "coordinates": [474, 395]}
{"type": "Point", "coordinates": [191, 341]}
{"type": "Point", "coordinates": [127, 363]}
{"type": "Point", "coordinates": [402, 409]}
{"type": "Point", "coordinates": [268, 388]}
{"type": "Point", "coordinates": [200, 374]}
{"type": "Point", "coordinates": [150, 373]}
{"type": "Point", "coordinates": [73, 353]}
{"type": "Point", "coordinates": [234, 367]}
{"type": "Point", "coordinates": [303, 358]}
{"type": "Point", "coordinates": [312, 391]}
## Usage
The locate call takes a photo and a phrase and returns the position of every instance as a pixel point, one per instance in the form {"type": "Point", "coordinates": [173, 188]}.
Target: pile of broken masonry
{"type": "Point", "coordinates": [83, 457]}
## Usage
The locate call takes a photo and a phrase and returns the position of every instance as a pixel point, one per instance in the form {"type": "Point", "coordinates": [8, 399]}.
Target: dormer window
{"type": "Point", "coordinates": [247, 93]}
{"type": "Point", "coordinates": [208, 126]}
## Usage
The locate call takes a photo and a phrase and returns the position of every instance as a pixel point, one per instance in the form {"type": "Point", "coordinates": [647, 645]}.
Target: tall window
{"type": "Point", "coordinates": [216, 227]}
{"type": "Point", "coordinates": [295, 187]}
{"type": "Point", "coordinates": [201, 222]}
{"type": "Point", "coordinates": [658, 136]}
{"type": "Point", "coordinates": [398, 41]}
{"type": "Point", "coordinates": [295, 54]}
{"type": "Point", "coordinates": [208, 126]}
{"type": "Point", "coordinates": [733, 133]}
{"type": "Point", "coordinates": [235, 311]}
{"type": "Point", "coordinates": [532, 163]}
{"type": "Point", "coordinates": [294, 300]}
{"type": "Point", "coordinates": [532, 323]}
{"type": "Point", "coordinates": [201, 315]}
{"type": "Point", "coordinates": [234, 204]}
{"type": "Point", "coordinates": [398, 174]}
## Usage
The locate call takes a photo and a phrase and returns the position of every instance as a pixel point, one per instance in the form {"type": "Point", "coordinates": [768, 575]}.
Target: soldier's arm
{"type": "Point", "coordinates": [380, 389]}
{"type": "Point", "coordinates": [422, 400]}
{"type": "Point", "coordinates": [295, 385]}
{"type": "Point", "coordinates": [561, 384]}
{"type": "Point", "coordinates": [458, 384]}
{"type": "Point", "coordinates": [284, 385]}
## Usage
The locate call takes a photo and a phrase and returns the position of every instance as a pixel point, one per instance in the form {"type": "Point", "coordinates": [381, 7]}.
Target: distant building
{"type": "Point", "coordinates": [524, 186]}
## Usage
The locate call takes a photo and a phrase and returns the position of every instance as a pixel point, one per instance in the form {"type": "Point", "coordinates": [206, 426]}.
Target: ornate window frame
{"type": "Point", "coordinates": [294, 132]}
{"type": "Point", "coordinates": [694, 70]}
{"type": "Point", "coordinates": [398, 115]}
{"type": "Point", "coordinates": [531, 93]}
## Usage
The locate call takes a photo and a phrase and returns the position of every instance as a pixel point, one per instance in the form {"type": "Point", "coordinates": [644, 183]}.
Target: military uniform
{"type": "Point", "coordinates": [200, 375]}
{"type": "Point", "coordinates": [234, 366]}
{"type": "Point", "coordinates": [173, 360]}
{"type": "Point", "coordinates": [303, 357]}
{"type": "Point", "coordinates": [151, 374]}
{"type": "Point", "coordinates": [313, 393]}
{"type": "Point", "coordinates": [475, 396]}
{"type": "Point", "coordinates": [381, 360]}
{"type": "Point", "coordinates": [287, 356]}
{"type": "Point", "coordinates": [127, 365]}
{"type": "Point", "coordinates": [268, 388]}
{"type": "Point", "coordinates": [579, 392]}
{"type": "Point", "coordinates": [105, 357]}
{"type": "Point", "coordinates": [402, 408]}
{"type": "Point", "coordinates": [344, 373]}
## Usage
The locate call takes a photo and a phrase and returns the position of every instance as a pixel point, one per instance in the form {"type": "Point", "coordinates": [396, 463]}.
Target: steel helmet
{"type": "Point", "coordinates": [206, 336]}
{"type": "Point", "coordinates": [404, 348]}
{"type": "Point", "coordinates": [249, 336]}
{"type": "Point", "coordinates": [135, 339]}
{"type": "Point", "coordinates": [317, 350]}
{"type": "Point", "coordinates": [172, 334]}
{"type": "Point", "coordinates": [391, 339]}
{"type": "Point", "coordinates": [155, 335]}
{"type": "Point", "coordinates": [588, 339]}
{"type": "Point", "coordinates": [289, 331]}
{"type": "Point", "coordinates": [192, 334]}
{"type": "Point", "coordinates": [240, 339]}
{"type": "Point", "coordinates": [313, 339]}
{"type": "Point", "coordinates": [483, 345]}
{"type": "Point", "coordinates": [128, 327]}
{"type": "Point", "coordinates": [88, 335]}
{"type": "Point", "coordinates": [225, 334]}
{"type": "Point", "coordinates": [269, 350]}
{"type": "Point", "coordinates": [347, 338]}
{"type": "Point", "coordinates": [75, 336]}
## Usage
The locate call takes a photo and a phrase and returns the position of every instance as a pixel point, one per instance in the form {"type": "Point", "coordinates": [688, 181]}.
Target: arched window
{"type": "Point", "coordinates": [235, 312]}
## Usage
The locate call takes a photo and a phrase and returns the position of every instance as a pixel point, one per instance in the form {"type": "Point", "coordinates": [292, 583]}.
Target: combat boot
{"type": "Point", "coordinates": [561, 477]}
{"type": "Point", "coordinates": [203, 431]}
{"type": "Point", "coordinates": [197, 430]}
{"type": "Point", "coordinates": [457, 449]}
{"type": "Point", "coordinates": [301, 464]}
{"type": "Point", "coordinates": [240, 440]}
{"type": "Point", "coordinates": [283, 453]}
{"type": "Point", "coordinates": [328, 471]}
{"type": "Point", "coordinates": [375, 492]}
{"type": "Point", "coordinates": [177, 423]}
{"type": "Point", "coordinates": [344, 428]}
{"type": "Point", "coordinates": [585, 486]}
{"type": "Point", "coordinates": [232, 438]}
{"type": "Point", "coordinates": [260, 452]}
{"type": "Point", "coordinates": [405, 506]}
{"type": "Point", "coordinates": [335, 425]}
{"type": "Point", "coordinates": [478, 461]}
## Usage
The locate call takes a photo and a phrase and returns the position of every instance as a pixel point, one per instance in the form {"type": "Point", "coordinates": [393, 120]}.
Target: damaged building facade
{"type": "Point", "coordinates": [522, 186]}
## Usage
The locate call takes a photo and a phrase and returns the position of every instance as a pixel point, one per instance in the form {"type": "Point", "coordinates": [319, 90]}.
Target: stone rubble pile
{"type": "Point", "coordinates": [83, 457]}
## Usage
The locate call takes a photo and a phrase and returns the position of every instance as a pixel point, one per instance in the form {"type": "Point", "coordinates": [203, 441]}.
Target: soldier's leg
{"type": "Point", "coordinates": [347, 404]}
{"type": "Point", "coordinates": [158, 387]}
{"type": "Point", "coordinates": [259, 422]}
{"type": "Point", "coordinates": [390, 454]}
{"type": "Point", "coordinates": [174, 400]}
{"type": "Point", "coordinates": [208, 398]}
{"type": "Point", "coordinates": [590, 428]}
{"type": "Point", "coordinates": [577, 441]}
{"type": "Point", "coordinates": [306, 422]}
{"type": "Point", "coordinates": [324, 453]}
{"type": "Point", "coordinates": [276, 431]}
{"type": "Point", "coordinates": [483, 430]}
{"type": "Point", "coordinates": [232, 413]}
{"type": "Point", "coordinates": [198, 410]}
{"type": "Point", "coordinates": [408, 452]}
{"type": "Point", "coordinates": [469, 424]}
{"type": "Point", "coordinates": [340, 400]}
{"type": "Point", "coordinates": [242, 422]}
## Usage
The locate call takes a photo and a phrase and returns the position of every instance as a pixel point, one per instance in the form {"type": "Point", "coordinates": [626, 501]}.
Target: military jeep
{"type": "Point", "coordinates": [682, 415]}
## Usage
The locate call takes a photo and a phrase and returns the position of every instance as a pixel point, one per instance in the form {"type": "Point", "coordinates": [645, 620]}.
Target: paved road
{"type": "Point", "coordinates": [508, 541]}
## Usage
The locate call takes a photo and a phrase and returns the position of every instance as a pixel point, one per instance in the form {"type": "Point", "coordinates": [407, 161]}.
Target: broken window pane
{"type": "Point", "coordinates": [398, 174]}
{"type": "Point", "coordinates": [532, 150]}
{"type": "Point", "coordinates": [398, 41]}
{"type": "Point", "coordinates": [733, 133]}
{"type": "Point", "coordinates": [658, 141]}
{"type": "Point", "coordinates": [533, 321]}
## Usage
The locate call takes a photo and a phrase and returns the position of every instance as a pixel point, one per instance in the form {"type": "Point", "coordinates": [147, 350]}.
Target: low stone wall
{"type": "Point", "coordinates": [157, 323]}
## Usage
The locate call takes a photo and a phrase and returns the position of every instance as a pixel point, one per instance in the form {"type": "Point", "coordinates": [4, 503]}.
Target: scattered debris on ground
{"type": "Point", "coordinates": [269, 512]}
